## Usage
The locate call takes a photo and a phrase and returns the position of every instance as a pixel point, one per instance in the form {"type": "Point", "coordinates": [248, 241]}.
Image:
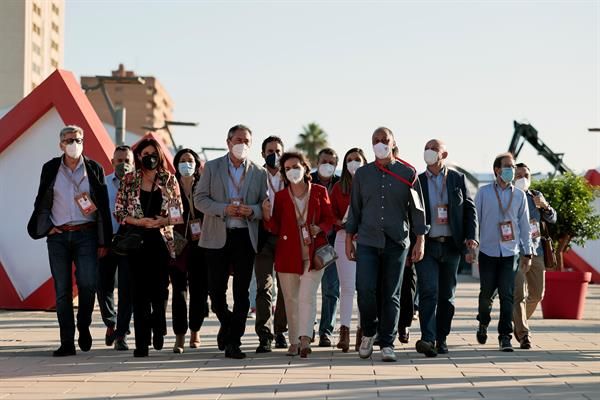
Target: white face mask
{"type": "Point", "coordinates": [240, 151]}
{"type": "Point", "coordinates": [295, 175]}
{"type": "Point", "coordinates": [74, 149]}
{"type": "Point", "coordinates": [382, 150]}
{"type": "Point", "coordinates": [326, 170]}
{"type": "Point", "coordinates": [187, 168]}
{"type": "Point", "coordinates": [353, 166]}
{"type": "Point", "coordinates": [522, 183]}
{"type": "Point", "coordinates": [431, 156]}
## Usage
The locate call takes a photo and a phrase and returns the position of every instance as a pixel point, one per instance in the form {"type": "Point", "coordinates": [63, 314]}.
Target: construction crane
{"type": "Point", "coordinates": [526, 132]}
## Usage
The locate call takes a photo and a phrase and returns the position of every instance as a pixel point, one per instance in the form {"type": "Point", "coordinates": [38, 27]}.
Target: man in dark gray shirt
{"type": "Point", "coordinates": [385, 194]}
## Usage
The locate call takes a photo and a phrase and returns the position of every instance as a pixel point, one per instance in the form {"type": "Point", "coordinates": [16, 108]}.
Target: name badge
{"type": "Point", "coordinates": [175, 215]}
{"type": "Point", "coordinates": [442, 214]}
{"type": "Point", "coordinates": [85, 203]}
{"type": "Point", "coordinates": [506, 231]}
{"type": "Point", "coordinates": [196, 229]}
{"type": "Point", "coordinates": [305, 234]}
{"type": "Point", "coordinates": [535, 228]}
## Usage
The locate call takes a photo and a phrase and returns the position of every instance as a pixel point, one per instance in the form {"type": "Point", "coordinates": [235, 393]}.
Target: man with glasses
{"type": "Point", "coordinates": [503, 228]}
{"type": "Point", "coordinates": [71, 210]}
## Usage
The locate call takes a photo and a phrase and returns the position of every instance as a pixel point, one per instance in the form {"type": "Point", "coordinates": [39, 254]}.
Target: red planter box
{"type": "Point", "coordinates": [565, 294]}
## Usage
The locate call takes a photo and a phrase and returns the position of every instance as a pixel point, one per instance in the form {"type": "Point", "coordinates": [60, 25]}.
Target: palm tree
{"type": "Point", "coordinates": [312, 139]}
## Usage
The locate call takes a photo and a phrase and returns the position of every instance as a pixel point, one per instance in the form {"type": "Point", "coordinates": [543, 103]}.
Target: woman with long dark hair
{"type": "Point", "coordinates": [149, 200]}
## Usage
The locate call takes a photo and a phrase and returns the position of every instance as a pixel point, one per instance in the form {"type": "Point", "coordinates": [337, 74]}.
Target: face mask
{"type": "Point", "coordinates": [381, 150]}
{"type": "Point", "coordinates": [74, 149]}
{"type": "Point", "coordinates": [522, 183]}
{"type": "Point", "coordinates": [187, 168]}
{"type": "Point", "coordinates": [123, 169]}
{"type": "Point", "coordinates": [326, 170]}
{"type": "Point", "coordinates": [240, 151]}
{"type": "Point", "coordinates": [272, 160]}
{"type": "Point", "coordinates": [150, 161]}
{"type": "Point", "coordinates": [507, 175]}
{"type": "Point", "coordinates": [353, 166]}
{"type": "Point", "coordinates": [430, 157]}
{"type": "Point", "coordinates": [295, 175]}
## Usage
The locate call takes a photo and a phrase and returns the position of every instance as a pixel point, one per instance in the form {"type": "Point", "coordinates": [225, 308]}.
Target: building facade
{"type": "Point", "coordinates": [146, 105]}
{"type": "Point", "coordinates": [31, 44]}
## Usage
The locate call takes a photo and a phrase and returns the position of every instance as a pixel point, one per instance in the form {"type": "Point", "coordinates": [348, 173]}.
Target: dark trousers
{"type": "Point", "coordinates": [497, 274]}
{"type": "Point", "coordinates": [237, 254]}
{"type": "Point", "coordinates": [437, 275]}
{"type": "Point", "coordinates": [263, 270]}
{"type": "Point", "coordinates": [330, 295]}
{"type": "Point", "coordinates": [64, 249]}
{"type": "Point", "coordinates": [195, 276]}
{"type": "Point", "coordinates": [150, 287]}
{"type": "Point", "coordinates": [379, 275]}
{"type": "Point", "coordinates": [109, 267]}
{"type": "Point", "coordinates": [407, 297]}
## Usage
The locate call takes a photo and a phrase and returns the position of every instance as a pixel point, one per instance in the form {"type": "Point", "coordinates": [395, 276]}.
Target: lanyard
{"type": "Point", "coordinates": [396, 176]}
{"type": "Point", "coordinates": [70, 176]}
{"type": "Point", "coordinates": [236, 185]}
{"type": "Point", "coordinates": [434, 180]}
{"type": "Point", "coordinates": [502, 209]}
{"type": "Point", "coordinates": [190, 201]}
{"type": "Point", "coordinates": [304, 213]}
{"type": "Point", "coordinates": [273, 186]}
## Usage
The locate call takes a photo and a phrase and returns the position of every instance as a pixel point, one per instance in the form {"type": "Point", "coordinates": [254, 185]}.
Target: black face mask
{"type": "Point", "coordinates": [150, 161]}
{"type": "Point", "coordinates": [272, 160]}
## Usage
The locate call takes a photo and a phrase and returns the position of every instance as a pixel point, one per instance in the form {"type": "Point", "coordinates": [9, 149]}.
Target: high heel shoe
{"type": "Point", "coordinates": [305, 349]}
{"type": "Point", "coordinates": [194, 340]}
{"type": "Point", "coordinates": [179, 343]}
{"type": "Point", "coordinates": [293, 350]}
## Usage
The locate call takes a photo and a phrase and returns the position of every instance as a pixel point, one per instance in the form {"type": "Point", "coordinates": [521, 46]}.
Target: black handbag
{"type": "Point", "coordinates": [130, 238]}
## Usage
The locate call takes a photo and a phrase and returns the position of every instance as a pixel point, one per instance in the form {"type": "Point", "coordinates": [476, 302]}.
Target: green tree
{"type": "Point", "coordinates": [312, 139]}
{"type": "Point", "coordinates": [572, 197]}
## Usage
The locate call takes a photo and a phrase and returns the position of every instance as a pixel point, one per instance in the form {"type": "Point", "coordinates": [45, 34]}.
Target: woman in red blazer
{"type": "Point", "coordinates": [301, 216]}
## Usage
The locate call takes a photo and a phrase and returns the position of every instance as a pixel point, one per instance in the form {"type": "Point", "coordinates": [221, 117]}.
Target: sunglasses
{"type": "Point", "coordinates": [73, 140]}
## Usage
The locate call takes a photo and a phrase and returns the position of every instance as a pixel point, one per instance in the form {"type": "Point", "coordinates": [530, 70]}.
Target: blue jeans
{"type": "Point", "coordinates": [436, 279]}
{"type": "Point", "coordinates": [110, 266]}
{"type": "Point", "coordinates": [497, 274]}
{"type": "Point", "coordinates": [330, 296]}
{"type": "Point", "coordinates": [64, 249]}
{"type": "Point", "coordinates": [384, 267]}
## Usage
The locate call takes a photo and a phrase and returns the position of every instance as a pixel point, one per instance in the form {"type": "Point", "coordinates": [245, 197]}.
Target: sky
{"type": "Point", "coordinates": [460, 71]}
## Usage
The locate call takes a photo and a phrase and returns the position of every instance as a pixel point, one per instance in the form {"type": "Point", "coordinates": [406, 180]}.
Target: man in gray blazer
{"type": "Point", "coordinates": [230, 193]}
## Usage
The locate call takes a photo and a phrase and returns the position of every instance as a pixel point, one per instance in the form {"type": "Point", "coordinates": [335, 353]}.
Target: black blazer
{"type": "Point", "coordinates": [462, 214]}
{"type": "Point", "coordinates": [40, 224]}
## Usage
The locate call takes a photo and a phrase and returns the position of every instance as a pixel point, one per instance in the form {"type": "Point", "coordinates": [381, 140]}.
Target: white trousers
{"type": "Point", "coordinates": [346, 270]}
{"type": "Point", "coordinates": [300, 295]}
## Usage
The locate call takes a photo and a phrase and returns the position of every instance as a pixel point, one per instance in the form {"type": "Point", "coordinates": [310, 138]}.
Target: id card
{"type": "Point", "coordinates": [442, 214]}
{"type": "Point", "coordinates": [85, 203]}
{"type": "Point", "coordinates": [175, 215]}
{"type": "Point", "coordinates": [305, 234]}
{"type": "Point", "coordinates": [196, 229]}
{"type": "Point", "coordinates": [535, 228]}
{"type": "Point", "coordinates": [506, 231]}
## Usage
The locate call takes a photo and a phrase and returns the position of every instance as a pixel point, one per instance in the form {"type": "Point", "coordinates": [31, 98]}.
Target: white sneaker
{"type": "Point", "coordinates": [387, 354]}
{"type": "Point", "coordinates": [366, 346]}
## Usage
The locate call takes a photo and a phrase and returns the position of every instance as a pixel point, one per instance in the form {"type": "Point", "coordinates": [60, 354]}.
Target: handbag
{"type": "Point", "coordinates": [130, 238]}
{"type": "Point", "coordinates": [324, 257]}
{"type": "Point", "coordinates": [550, 261]}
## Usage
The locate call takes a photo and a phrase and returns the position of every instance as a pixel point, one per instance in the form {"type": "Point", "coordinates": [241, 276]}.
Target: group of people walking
{"type": "Point", "coordinates": [380, 230]}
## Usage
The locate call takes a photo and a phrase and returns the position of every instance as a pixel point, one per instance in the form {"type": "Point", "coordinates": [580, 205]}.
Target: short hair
{"type": "Point", "coordinates": [141, 145]}
{"type": "Point", "coordinates": [500, 157]}
{"type": "Point", "coordinates": [69, 129]}
{"type": "Point", "coordinates": [196, 157]}
{"type": "Point", "coordinates": [303, 160]}
{"type": "Point", "coordinates": [384, 130]}
{"type": "Point", "coordinates": [237, 127]}
{"type": "Point", "coordinates": [329, 151]}
{"type": "Point", "coordinates": [523, 165]}
{"type": "Point", "coordinates": [122, 147]}
{"type": "Point", "coordinates": [271, 139]}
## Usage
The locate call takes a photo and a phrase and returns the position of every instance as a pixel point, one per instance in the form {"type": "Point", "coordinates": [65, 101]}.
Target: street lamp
{"type": "Point", "coordinates": [118, 114]}
{"type": "Point", "coordinates": [166, 128]}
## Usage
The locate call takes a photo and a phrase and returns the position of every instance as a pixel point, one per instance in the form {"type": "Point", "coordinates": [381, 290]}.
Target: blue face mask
{"type": "Point", "coordinates": [187, 168]}
{"type": "Point", "coordinates": [507, 174]}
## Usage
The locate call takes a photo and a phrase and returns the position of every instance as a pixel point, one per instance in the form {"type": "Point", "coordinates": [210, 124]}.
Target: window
{"type": "Point", "coordinates": [55, 27]}
{"type": "Point", "coordinates": [36, 68]}
{"type": "Point", "coordinates": [54, 63]}
{"type": "Point", "coordinates": [37, 10]}
{"type": "Point", "coordinates": [33, 86]}
{"type": "Point", "coordinates": [36, 49]}
{"type": "Point", "coordinates": [36, 29]}
{"type": "Point", "coordinates": [54, 45]}
{"type": "Point", "coordinates": [55, 9]}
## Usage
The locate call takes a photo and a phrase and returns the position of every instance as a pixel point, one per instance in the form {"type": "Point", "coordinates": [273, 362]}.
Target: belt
{"type": "Point", "coordinates": [440, 239]}
{"type": "Point", "coordinates": [76, 228]}
{"type": "Point", "coordinates": [240, 229]}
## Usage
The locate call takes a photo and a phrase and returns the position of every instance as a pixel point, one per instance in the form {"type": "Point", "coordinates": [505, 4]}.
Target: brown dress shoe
{"type": "Point", "coordinates": [344, 342]}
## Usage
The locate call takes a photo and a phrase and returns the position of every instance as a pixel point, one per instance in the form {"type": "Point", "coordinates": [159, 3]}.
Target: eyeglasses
{"type": "Point", "coordinates": [73, 140]}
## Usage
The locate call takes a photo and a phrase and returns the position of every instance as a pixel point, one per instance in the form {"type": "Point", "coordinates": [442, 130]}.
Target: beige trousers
{"type": "Point", "coordinates": [529, 291]}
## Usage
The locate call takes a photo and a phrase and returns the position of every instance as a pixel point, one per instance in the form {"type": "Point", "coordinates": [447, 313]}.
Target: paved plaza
{"type": "Point", "coordinates": [563, 364]}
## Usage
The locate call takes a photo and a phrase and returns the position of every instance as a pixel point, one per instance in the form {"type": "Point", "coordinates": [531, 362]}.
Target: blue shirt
{"type": "Point", "coordinates": [490, 217]}
{"type": "Point", "coordinates": [236, 175]}
{"type": "Point", "coordinates": [435, 184]}
{"type": "Point", "coordinates": [67, 185]}
{"type": "Point", "coordinates": [112, 184]}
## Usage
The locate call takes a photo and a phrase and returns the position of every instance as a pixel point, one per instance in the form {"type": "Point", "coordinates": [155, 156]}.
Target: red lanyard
{"type": "Point", "coordinates": [396, 176]}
